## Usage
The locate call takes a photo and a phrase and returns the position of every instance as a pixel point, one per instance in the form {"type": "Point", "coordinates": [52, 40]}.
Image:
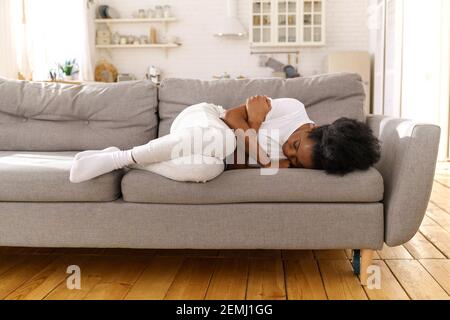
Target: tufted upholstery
{"type": "Point", "coordinates": [56, 117]}
{"type": "Point", "coordinates": [326, 97]}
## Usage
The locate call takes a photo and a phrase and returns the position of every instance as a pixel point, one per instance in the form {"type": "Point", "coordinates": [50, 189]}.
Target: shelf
{"type": "Point", "coordinates": [110, 22]}
{"type": "Point", "coordinates": [138, 46]}
{"type": "Point", "coordinates": [149, 20]}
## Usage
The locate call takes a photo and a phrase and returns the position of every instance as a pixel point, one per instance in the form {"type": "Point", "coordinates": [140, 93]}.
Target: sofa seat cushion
{"type": "Point", "coordinates": [248, 186]}
{"type": "Point", "coordinates": [44, 177]}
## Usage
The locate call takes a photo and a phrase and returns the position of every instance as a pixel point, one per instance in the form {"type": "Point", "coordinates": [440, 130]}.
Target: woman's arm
{"type": "Point", "coordinates": [246, 121]}
{"type": "Point", "coordinates": [250, 115]}
{"type": "Point", "coordinates": [236, 118]}
{"type": "Point", "coordinates": [258, 107]}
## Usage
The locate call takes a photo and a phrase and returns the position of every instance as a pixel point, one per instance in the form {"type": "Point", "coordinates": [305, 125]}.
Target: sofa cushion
{"type": "Point", "coordinates": [44, 177]}
{"type": "Point", "coordinates": [326, 97]}
{"type": "Point", "coordinates": [57, 117]}
{"type": "Point", "coordinates": [248, 186]}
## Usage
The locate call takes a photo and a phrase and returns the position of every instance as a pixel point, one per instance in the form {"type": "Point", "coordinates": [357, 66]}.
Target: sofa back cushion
{"type": "Point", "coordinates": [327, 97]}
{"type": "Point", "coordinates": [57, 117]}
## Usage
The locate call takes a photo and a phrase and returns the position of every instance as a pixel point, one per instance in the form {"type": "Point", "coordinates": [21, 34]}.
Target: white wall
{"type": "Point", "coordinates": [202, 55]}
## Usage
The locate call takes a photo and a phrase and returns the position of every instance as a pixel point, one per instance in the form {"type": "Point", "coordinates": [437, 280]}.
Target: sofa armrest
{"type": "Point", "coordinates": [408, 163]}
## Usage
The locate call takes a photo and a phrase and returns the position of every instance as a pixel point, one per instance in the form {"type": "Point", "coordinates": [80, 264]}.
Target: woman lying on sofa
{"type": "Point", "coordinates": [267, 133]}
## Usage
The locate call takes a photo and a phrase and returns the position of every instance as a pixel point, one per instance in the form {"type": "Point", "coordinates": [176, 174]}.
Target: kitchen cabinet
{"type": "Point", "coordinates": [287, 23]}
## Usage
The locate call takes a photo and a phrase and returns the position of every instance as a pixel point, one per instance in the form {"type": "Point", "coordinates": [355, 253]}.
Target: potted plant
{"type": "Point", "coordinates": [68, 69]}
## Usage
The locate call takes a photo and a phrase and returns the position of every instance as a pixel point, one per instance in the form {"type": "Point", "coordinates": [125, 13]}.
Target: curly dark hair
{"type": "Point", "coordinates": [344, 146]}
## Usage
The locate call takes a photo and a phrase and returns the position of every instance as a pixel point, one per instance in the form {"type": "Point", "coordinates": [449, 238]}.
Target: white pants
{"type": "Point", "coordinates": [194, 151]}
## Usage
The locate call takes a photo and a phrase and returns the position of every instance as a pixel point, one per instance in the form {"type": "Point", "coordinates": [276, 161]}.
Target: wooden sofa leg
{"type": "Point", "coordinates": [366, 262]}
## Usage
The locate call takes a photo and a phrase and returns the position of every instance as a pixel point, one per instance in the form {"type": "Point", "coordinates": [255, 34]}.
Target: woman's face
{"type": "Point", "coordinates": [299, 148]}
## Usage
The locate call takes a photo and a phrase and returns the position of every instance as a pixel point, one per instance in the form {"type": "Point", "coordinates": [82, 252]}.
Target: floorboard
{"type": "Point", "coordinates": [20, 273]}
{"type": "Point", "coordinates": [229, 281]}
{"type": "Point", "coordinates": [440, 270]}
{"type": "Point", "coordinates": [416, 280]}
{"type": "Point", "coordinates": [420, 248]}
{"type": "Point", "coordinates": [192, 280]}
{"type": "Point", "coordinates": [339, 280]}
{"type": "Point", "coordinates": [389, 288]}
{"type": "Point", "coordinates": [303, 280]}
{"type": "Point", "coordinates": [266, 280]}
{"type": "Point", "coordinates": [394, 253]}
{"type": "Point", "coordinates": [156, 279]}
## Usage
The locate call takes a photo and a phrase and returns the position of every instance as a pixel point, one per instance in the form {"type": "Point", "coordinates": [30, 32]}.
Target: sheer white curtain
{"type": "Point", "coordinates": [8, 19]}
{"type": "Point", "coordinates": [49, 32]}
{"type": "Point", "coordinates": [412, 65]}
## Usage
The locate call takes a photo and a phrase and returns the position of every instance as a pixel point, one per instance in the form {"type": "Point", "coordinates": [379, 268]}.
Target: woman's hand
{"type": "Point", "coordinates": [258, 107]}
{"type": "Point", "coordinates": [237, 118]}
{"type": "Point", "coordinates": [282, 164]}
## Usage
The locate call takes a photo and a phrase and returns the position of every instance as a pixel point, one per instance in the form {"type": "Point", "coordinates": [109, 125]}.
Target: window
{"type": "Point", "coordinates": [49, 32]}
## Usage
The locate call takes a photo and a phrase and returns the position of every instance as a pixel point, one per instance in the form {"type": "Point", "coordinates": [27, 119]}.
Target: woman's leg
{"type": "Point", "coordinates": [211, 138]}
{"type": "Point", "coordinates": [193, 168]}
{"type": "Point", "coordinates": [198, 129]}
{"type": "Point", "coordinates": [207, 141]}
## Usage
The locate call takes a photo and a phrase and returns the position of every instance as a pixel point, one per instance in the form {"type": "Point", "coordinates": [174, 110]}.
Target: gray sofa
{"type": "Point", "coordinates": [42, 127]}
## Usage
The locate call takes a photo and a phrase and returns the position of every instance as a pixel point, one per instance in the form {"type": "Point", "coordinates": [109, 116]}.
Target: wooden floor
{"type": "Point", "coordinates": [419, 269]}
